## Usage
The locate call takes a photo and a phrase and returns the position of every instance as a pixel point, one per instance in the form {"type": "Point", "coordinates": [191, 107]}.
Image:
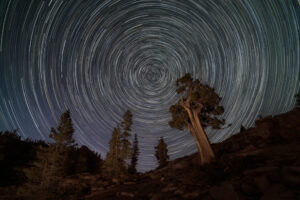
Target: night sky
{"type": "Point", "coordinates": [100, 58]}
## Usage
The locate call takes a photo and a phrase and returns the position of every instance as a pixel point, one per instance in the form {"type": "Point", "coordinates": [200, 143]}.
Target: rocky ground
{"type": "Point", "coordinates": [258, 163]}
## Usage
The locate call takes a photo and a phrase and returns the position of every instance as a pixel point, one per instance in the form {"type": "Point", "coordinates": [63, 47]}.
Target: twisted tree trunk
{"type": "Point", "coordinates": [205, 151]}
{"type": "Point", "coordinates": [207, 154]}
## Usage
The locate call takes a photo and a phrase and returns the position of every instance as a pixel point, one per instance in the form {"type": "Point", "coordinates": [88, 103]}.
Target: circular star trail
{"type": "Point", "coordinates": [100, 58]}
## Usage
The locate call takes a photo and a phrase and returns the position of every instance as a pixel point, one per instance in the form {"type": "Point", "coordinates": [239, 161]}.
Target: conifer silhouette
{"type": "Point", "coordinates": [113, 166]}
{"type": "Point", "coordinates": [161, 153]}
{"type": "Point", "coordinates": [51, 160]}
{"type": "Point", "coordinates": [135, 154]}
{"type": "Point", "coordinates": [125, 143]}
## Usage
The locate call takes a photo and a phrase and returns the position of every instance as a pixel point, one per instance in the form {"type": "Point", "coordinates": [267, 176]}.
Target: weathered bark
{"type": "Point", "coordinates": [205, 151]}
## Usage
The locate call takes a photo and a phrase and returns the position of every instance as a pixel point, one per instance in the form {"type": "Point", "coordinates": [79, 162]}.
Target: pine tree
{"type": "Point", "coordinates": [134, 156]}
{"type": "Point", "coordinates": [113, 166]}
{"type": "Point", "coordinates": [63, 136]}
{"type": "Point", "coordinates": [125, 143]}
{"type": "Point", "coordinates": [63, 141]}
{"type": "Point", "coordinates": [161, 153]}
{"type": "Point", "coordinates": [50, 164]}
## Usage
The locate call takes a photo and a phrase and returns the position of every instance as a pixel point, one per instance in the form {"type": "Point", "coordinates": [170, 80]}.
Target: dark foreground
{"type": "Point", "coordinates": [259, 163]}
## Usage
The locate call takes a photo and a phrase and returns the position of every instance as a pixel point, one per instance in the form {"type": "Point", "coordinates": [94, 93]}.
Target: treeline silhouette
{"type": "Point", "coordinates": [17, 154]}
{"type": "Point", "coordinates": [37, 168]}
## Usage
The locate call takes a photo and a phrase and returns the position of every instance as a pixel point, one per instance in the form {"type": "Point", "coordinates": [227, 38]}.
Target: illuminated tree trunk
{"type": "Point", "coordinates": [207, 154]}
{"type": "Point", "coordinates": [205, 151]}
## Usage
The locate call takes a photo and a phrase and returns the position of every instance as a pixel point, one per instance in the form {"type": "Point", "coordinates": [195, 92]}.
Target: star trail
{"type": "Point", "coordinates": [100, 58]}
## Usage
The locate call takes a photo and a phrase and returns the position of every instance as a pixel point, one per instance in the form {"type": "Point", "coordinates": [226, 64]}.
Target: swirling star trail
{"type": "Point", "coordinates": [100, 58]}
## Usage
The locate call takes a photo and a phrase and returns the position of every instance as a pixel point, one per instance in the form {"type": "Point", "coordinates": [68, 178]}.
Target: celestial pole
{"type": "Point", "coordinates": [101, 58]}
